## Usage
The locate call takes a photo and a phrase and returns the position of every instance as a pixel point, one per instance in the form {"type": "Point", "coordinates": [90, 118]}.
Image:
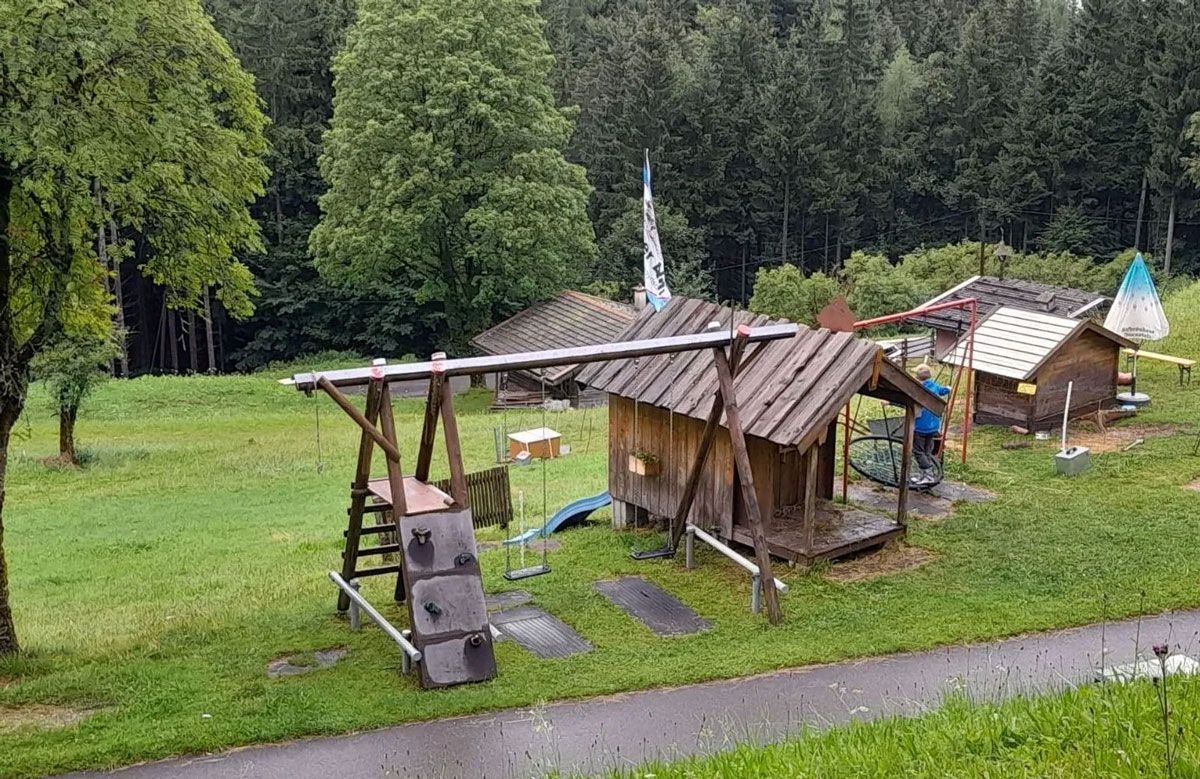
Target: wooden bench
{"type": "Point", "coordinates": [1182, 363]}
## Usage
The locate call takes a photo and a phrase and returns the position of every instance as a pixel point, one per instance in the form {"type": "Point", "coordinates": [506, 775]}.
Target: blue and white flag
{"type": "Point", "coordinates": [1136, 311]}
{"type": "Point", "coordinates": [654, 272]}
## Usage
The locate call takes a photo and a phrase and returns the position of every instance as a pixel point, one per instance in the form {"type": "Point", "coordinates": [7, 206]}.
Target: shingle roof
{"type": "Point", "coordinates": [1015, 343]}
{"type": "Point", "coordinates": [992, 293]}
{"type": "Point", "coordinates": [788, 390]}
{"type": "Point", "coordinates": [565, 320]}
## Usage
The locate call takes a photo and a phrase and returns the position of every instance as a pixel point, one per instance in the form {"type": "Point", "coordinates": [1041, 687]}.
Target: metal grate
{"type": "Point", "coordinates": [541, 633]}
{"type": "Point", "coordinates": [656, 608]}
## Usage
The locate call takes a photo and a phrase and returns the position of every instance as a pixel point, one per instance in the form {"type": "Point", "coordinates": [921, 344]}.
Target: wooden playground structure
{"type": "Point", "coordinates": [438, 573]}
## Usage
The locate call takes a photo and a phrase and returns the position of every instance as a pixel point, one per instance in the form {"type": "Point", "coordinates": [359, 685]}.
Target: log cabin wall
{"type": "Point", "coordinates": [1091, 361]}
{"type": "Point", "coordinates": [778, 474]}
{"type": "Point", "coordinates": [997, 401]}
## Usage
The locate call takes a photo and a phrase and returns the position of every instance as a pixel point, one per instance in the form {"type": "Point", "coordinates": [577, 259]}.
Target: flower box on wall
{"type": "Point", "coordinates": [644, 465]}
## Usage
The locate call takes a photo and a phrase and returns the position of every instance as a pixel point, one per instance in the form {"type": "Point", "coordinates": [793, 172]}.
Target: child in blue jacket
{"type": "Point", "coordinates": [925, 431]}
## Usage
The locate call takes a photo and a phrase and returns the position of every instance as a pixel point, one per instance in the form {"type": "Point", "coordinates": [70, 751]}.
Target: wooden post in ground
{"type": "Point", "coordinates": [741, 458]}
{"type": "Point", "coordinates": [395, 477]}
{"type": "Point", "coordinates": [433, 402]}
{"type": "Point", "coordinates": [458, 473]}
{"type": "Point", "coordinates": [358, 497]}
{"type": "Point", "coordinates": [906, 454]}
{"type": "Point", "coordinates": [811, 460]}
{"type": "Point", "coordinates": [711, 425]}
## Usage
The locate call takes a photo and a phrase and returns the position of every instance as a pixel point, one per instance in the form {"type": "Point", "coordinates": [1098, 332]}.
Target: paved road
{"type": "Point", "coordinates": [596, 735]}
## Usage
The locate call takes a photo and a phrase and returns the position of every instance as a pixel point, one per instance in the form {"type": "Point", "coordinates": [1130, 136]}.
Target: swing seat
{"type": "Point", "coordinates": [419, 497]}
{"type": "Point", "coordinates": [879, 459]}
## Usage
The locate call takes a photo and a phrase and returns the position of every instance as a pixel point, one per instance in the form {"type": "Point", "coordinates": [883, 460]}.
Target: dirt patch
{"type": "Point", "coordinates": [1194, 487]}
{"type": "Point", "coordinates": [1113, 439]}
{"type": "Point", "coordinates": [38, 716]}
{"type": "Point", "coordinates": [892, 558]}
{"type": "Point", "coordinates": [294, 665]}
{"type": "Point", "coordinates": [883, 500]}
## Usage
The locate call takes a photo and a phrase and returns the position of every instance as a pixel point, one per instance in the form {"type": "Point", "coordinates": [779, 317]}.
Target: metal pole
{"type": "Point", "coordinates": [406, 661]}
{"type": "Point", "coordinates": [355, 616]}
{"type": "Point", "coordinates": [405, 645]}
{"type": "Point", "coordinates": [756, 592]}
{"type": "Point", "coordinates": [688, 548]}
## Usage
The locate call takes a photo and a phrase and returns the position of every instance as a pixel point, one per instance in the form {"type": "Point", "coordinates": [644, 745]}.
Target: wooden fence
{"type": "Point", "coordinates": [490, 496]}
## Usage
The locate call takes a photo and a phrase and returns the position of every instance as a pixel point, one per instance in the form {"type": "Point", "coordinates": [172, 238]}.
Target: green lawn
{"type": "Point", "coordinates": [155, 584]}
{"type": "Point", "coordinates": [1114, 732]}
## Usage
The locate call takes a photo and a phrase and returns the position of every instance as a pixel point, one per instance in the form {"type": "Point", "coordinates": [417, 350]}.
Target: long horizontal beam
{"type": "Point", "coordinates": [469, 366]}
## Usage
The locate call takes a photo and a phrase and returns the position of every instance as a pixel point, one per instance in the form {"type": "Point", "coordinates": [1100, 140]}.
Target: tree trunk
{"type": "Point", "coordinates": [1170, 237]}
{"type": "Point", "coordinates": [193, 349]}
{"type": "Point", "coordinates": [10, 409]}
{"type": "Point", "coordinates": [982, 264]}
{"type": "Point", "coordinates": [787, 191]}
{"type": "Point", "coordinates": [208, 330]}
{"type": "Point", "coordinates": [67, 416]}
{"type": "Point", "coordinates": [825, 250]}
{"type": "Point", "coordinates": [119, 295]}
{"type": "Point", "coordinates": [172, 341]}
{"type": "Point", "coordinates": [1137, 231]}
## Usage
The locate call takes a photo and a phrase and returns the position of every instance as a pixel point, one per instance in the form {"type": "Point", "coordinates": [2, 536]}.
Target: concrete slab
{"type": "Point", "coordinates": [955, 491]}
{"type": "Point", "coordinates": [883, 500]}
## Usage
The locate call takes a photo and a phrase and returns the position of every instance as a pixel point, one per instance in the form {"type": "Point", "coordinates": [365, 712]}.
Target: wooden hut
{"type": "Point", "coordinates": [789, 393]}
{"type": "Point", "coordinates": [992, 293]}
{"type": "Point", "coordinates": [568, 319]}
{"type": "Point", "coordinates": [1023, 361]}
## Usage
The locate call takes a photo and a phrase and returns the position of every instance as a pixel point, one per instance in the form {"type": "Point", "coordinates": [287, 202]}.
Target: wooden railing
{"type": "Point", "coordinates": [489, 495]}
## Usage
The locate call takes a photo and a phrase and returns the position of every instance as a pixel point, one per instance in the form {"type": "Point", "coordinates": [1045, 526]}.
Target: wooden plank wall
{"type": "Point", "coordinates": [778, 476]}
{"type": "Point", "coordinates": [1092, 362]}
{"type": "Point", "coordinates": [997, 401]}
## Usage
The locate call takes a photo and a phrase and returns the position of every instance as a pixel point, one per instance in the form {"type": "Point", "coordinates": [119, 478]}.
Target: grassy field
{"type": "Point", "coordinates": [1114, 732]}
{"type": "Point", "coordinates": [153, 586]}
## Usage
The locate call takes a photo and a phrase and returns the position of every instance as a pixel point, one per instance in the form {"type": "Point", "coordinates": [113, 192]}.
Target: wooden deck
{"type": "Point", "coordinates": [419, 498]}
{"type": "Point", "coordinates": [840, 530]}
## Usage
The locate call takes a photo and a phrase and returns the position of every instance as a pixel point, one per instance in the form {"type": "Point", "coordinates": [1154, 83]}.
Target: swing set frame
{"type": "Point", "coordinates": [440, 404]}
{"type": "Point", "coordinates": [963, 375]}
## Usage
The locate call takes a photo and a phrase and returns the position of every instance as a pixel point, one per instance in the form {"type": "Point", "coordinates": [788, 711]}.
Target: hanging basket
{"type": "Point", "coordinates": [644, 464]}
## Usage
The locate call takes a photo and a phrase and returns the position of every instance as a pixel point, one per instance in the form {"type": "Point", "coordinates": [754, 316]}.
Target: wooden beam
{"type": "Point", "coordinates": [741, 458]}
{"type": "Point", "coordinates": [470, 366]}
{"type": "Point", "coordinates": [395, 478]}
{"type": "Point", "coordinates": [433, 403]}
{"type": "Point", "coordinates": [906, 453]}
{"type": "Point", "coordinates": [711, 425]}
{"type": "Point", "coordinates": [358, 496]}
{"type": "Point", "coordinates": [811, 459]}
{"type": "Point", "coordinates": [393, 454]}
{"type": "Point", "coordinates": [458, 473]}
{"type": "Point", "coordinates": [387, 421]}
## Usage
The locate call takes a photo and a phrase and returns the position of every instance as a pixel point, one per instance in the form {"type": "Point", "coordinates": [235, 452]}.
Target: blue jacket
{"type": "Point", "coordinates": [927, 421]}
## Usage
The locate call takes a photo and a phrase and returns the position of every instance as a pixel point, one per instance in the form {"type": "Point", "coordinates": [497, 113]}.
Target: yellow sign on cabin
{"type": "Point", "coordinates": [1027, 389]}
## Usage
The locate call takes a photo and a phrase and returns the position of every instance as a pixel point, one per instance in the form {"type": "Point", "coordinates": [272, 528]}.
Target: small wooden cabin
{"type": "Point", "coordinates": [1024, 360]}
{"type": "Point", "coordinates": [789, 392]}
{"type": "Point", "coordinates": [566, 320]}
{"type": "Point", "coordinates": [991, 293]}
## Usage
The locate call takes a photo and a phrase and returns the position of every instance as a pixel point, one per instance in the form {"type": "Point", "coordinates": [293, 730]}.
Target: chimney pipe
{"type": "Point", "coordinates": [639, 298]}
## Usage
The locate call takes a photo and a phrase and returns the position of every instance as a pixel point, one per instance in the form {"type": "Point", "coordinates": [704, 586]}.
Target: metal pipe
{"type": "Point", "coordinates": [756, 593]}
{"type": "Point", "coordinates": [888, 319]}
{"type": "Point", "coordinates": [355, 615]}
{"type": "Point", "coordinates": [470, 366]}
{"type": "Point", "coordinates": [406, 662]}
{"type": "Point", "coordinates": [689, 547]}
{"type": "Point", "coordinates": [749, 565]}
{"type": "Point", "coordinates": [409, 650]}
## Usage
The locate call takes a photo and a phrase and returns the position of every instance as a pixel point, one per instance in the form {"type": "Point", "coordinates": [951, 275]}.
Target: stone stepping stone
{"type": "Point", "coordinates": [497, 601]}
{"type": "Point", "coordinates": [884, 501]}
{"type": "Point", "coordinates": [955, 491]}
{"type": "Point", "coordinates": [653, 606]}
{"type": "Point", "coordinates": [294, 665]}
{"type": "Point", "coordinates": [539, 632]}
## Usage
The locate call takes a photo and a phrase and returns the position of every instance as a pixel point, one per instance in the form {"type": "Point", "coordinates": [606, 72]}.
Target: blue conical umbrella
{"type": "Point", "coordinates": [1137, 313]}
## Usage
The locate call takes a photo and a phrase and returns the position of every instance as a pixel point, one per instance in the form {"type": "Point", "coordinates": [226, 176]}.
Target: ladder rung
{"type": "Point", "coordinates": [381, 549]}
{"type": "Point", "coordinates": [382, 570]}
{"type": "Point", "coordinates": [368, 530]}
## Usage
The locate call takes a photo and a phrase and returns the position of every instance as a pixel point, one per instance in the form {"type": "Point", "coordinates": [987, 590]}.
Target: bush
{"type": "Point", "coordinates": [875, 287]}
{"type": "Point", "coordinates": [786, 293]}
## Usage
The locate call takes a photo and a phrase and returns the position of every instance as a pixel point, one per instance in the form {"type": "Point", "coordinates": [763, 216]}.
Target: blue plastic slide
{"type": "Point", "coordinates": [570, 514]}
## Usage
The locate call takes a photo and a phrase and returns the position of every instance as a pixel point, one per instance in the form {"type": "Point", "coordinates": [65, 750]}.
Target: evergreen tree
{"type": "Point", "coordinates": [444, 162]}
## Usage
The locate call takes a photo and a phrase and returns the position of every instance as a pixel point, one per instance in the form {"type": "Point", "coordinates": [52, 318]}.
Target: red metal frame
{"type": "Point", "coordinates": [969, 368]}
